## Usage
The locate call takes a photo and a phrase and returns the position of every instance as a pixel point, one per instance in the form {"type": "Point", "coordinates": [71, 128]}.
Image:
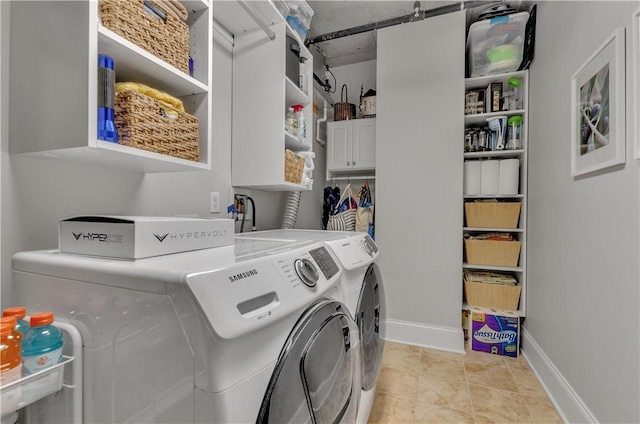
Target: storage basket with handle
{"type": "Point", "coordinates": [293, 167]}
{"type": "Point", "coordinates": [150, 124]}
{"type": "Point", "coordinates": [344, 109]}
{"type": "Point", "coordinates": [150, 25]}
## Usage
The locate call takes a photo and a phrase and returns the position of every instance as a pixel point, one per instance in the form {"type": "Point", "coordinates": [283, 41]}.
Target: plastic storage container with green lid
{"type": "Point", "coordinates": [514, 129]}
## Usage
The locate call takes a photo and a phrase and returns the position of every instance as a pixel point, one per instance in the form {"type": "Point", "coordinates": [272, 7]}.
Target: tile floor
{"type": "Point", "coordinates": [418, 385]}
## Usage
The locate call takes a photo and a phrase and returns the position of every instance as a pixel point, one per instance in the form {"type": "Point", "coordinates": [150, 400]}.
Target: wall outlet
{"type": "Point", "coordinates": [214, 202]}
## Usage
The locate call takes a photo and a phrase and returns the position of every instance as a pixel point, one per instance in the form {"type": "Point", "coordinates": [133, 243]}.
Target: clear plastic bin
{"type": "Point", "coordinates": [496, 45]}
{"type": "Point", "coordinates": [300, 10]}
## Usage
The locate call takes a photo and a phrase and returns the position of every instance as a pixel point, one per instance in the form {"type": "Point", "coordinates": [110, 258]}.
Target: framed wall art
{"type": "Point", "coordinates": [598, 108]}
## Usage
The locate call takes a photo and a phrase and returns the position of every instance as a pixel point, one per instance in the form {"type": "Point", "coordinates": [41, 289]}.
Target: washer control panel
{"type": "Point", "coordinates": [325, 261]}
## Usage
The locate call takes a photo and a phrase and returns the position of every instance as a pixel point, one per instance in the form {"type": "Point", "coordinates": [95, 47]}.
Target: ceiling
{"type": "Point", "coordinates": [336, 15]}
{"type": "Point", "coordinates": [331, 16]}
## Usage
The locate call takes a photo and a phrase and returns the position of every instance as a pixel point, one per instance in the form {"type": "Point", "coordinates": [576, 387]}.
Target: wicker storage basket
{"type": "Point", "coordinates": [490, 289]}
{"type": "Point", "coordinates": [167, 39]}
{"type": "Point", "coordinates": [293, 167]}
{"type": "Point", "coordinates": [492, 252]}
{"type": "Point", "coordinates": [487, 295]}
{"type": "Point", "coordinates": [492, 214]}
{"type": "Point", "coordinates": [149, 124]}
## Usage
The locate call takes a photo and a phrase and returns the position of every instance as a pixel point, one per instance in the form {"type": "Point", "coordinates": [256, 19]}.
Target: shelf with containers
{"type": "Point", "coordinates": [266, 83]}
{"type": "Point", "coordinates": [60, 384]}
{"type": "Point", "coordinates": [499, 210]}
{"type": "Point", "coordinates": [55, 86]}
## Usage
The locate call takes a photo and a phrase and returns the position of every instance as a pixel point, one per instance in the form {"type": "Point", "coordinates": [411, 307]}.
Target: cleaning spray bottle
{"type": "Point", "coordinates": [302, 122]}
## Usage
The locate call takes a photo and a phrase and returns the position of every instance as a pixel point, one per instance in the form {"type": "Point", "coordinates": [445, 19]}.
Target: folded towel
{"type": "Point", "coordinates": [177, 8]}
{"type": "Point", "coordinates": [151, 92]}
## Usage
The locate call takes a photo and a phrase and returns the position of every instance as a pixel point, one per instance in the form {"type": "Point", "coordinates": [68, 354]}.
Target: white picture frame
{"type": "Point", "coordinates": [635, 80]}
{"type": "Point", "coordinates": [598, 136]}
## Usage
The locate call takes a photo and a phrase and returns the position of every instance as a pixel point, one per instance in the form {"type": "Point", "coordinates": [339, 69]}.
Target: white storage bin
{"type": "Point", "coordinates": [496, 45]}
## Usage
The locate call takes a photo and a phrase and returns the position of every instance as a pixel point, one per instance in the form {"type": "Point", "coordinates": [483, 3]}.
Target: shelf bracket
{"type": "Point", "coordinates": [261, 23]}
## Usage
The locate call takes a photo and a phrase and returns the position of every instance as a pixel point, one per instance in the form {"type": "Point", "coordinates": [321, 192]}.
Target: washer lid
{"type": "Point", "coordinates": [317, 376]}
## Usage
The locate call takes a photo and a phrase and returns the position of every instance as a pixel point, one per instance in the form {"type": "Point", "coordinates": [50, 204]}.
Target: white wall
{"type": "Point", "coordinates": [36, 193]}
{"type": "Point", "coordinates": [354, 76]}
{"type": "Point", "coordinates": [583, 247]}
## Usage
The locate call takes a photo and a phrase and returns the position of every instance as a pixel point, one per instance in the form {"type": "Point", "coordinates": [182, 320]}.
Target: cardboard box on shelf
{"type": "Point", "coordinates": [492, 97]}
{"type": "Point", "coordinates": [495, 331]}
{"type": "Point", "coordinates": [136, 237]}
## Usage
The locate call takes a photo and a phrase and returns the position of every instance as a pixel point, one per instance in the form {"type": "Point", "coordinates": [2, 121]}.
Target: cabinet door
{"type": "Point", "coordinates": [364, 144]}
{"type": "Point", "coordinates": [339, 145]}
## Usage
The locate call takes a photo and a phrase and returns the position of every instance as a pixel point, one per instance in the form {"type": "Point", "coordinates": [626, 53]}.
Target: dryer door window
{"type": "Point", "coordinates": [370, 317]}
{"type": "Point", "coordinates": [317, 376]}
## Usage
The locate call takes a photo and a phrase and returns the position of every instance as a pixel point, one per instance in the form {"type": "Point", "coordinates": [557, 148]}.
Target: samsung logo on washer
{"type": "Point", "coordinates": [243, 275]}
{"type": "Point", "coordinates": [190, 235]}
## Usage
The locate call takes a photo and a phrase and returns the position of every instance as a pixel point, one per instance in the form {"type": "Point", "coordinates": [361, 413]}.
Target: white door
{"type": "Point", "coordinates": [420, 116]}
{"type": "Point", "coordinates": [339, 145]}
{"type": "Point", "coordinates": [364, 144]}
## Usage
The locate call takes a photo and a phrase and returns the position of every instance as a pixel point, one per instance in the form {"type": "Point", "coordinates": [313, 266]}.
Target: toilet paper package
{"type": "Point", "coordinates": [495, 331]}
{"type": "Point", "coordinates": [489, 177]}
{"type": "Point", "coordinates": [472, 170]}
{"type": "Point", "coordinates": [509, 179]}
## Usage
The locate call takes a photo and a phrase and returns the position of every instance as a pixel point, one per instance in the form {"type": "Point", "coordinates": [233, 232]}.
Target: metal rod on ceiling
{"type": "Point", "coordinates": [421, 15]}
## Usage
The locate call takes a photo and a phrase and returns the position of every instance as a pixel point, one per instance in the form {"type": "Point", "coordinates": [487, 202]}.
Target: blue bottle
{"type": "Point", "coordinates": [107, 130]}
{"type": "Point", "coordinates": [42, 345]}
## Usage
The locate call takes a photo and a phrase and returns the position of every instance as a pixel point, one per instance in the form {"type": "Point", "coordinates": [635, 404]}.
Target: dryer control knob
{"type": "Point", "coordinates": [307, 272]}
{"type": "Point", "coordinates": [368, 248]}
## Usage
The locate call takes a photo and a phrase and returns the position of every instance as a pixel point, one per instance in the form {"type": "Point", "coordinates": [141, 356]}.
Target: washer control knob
{"type": "Point", "coordinates": [307, 272]}
{"type": "Point", "coordinates": [368, 248]}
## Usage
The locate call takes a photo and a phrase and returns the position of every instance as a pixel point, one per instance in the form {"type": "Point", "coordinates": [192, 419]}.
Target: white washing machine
{"type": "Point", "coordinates": [253, 332]}
{"type": "Point", "coordinates": [362, 291]}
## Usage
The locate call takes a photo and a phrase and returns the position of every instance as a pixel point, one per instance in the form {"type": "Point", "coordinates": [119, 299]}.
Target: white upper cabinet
{"type": "Point", "coordinates": [351, 145]}
{"type": "Point", "coordinates": [54, 84]}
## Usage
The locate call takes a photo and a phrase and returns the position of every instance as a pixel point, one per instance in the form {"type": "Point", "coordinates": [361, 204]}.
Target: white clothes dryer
{"type": "Point", "coordinates": [362, 291]}
{"type": "Point", "coordinates": [253, 332]}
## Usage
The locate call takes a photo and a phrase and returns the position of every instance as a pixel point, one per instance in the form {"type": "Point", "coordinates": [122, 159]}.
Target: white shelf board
{"type": "Point", "coordinates": [195, 5]}
{"type": "Point", "coordinates": [294, 95]}
{"type": "Point", "coordinates": [492, 267]}
{"type": "Point", "coordinates": [494, 154]}
{"type": "Point", "coordinates": [494, 196]}
{"type": "Point", "coordinates": [483, 81]}
{"type": "Point", "coordinates": [466, 307]}
{"type": "Point", "coordinates": [284, 186]}
{"type": "Point", "coordinates": [293, 143]}
{"type": "Point", "coordinates": [237, 21]}
{"type": "Point", "coordinates": [112, 155]}
{"type": "Point", "coordinates": [135, 64]}
{"type": "Point", "coordinates": [481, 118]}
{"type": "Point", "coordinates": [503, 230]}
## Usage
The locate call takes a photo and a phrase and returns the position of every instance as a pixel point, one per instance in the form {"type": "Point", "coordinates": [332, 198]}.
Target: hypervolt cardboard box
{"type": "Point", "coordinates": [495, 331]}
{"type": "Point", "coordinates": [136, 237]}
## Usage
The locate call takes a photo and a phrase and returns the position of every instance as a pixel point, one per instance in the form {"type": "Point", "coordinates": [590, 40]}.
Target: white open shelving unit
{"type": "Point", "coordinates": [53, 112]}
{"type": "Point", "coordinates": [262, 93]}
{"type": "Point", "coordinates": [520, 233]}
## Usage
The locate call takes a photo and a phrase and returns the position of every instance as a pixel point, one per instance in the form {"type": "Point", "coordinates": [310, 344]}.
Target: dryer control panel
{"type": "Point", "coordinates": [355, 251]}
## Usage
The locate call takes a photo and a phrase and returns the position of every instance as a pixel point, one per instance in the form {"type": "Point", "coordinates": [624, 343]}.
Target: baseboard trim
{"type": "Point", "coordinates": [569, 405]}
{"type": "Point", "coordinates": [429, 336]}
